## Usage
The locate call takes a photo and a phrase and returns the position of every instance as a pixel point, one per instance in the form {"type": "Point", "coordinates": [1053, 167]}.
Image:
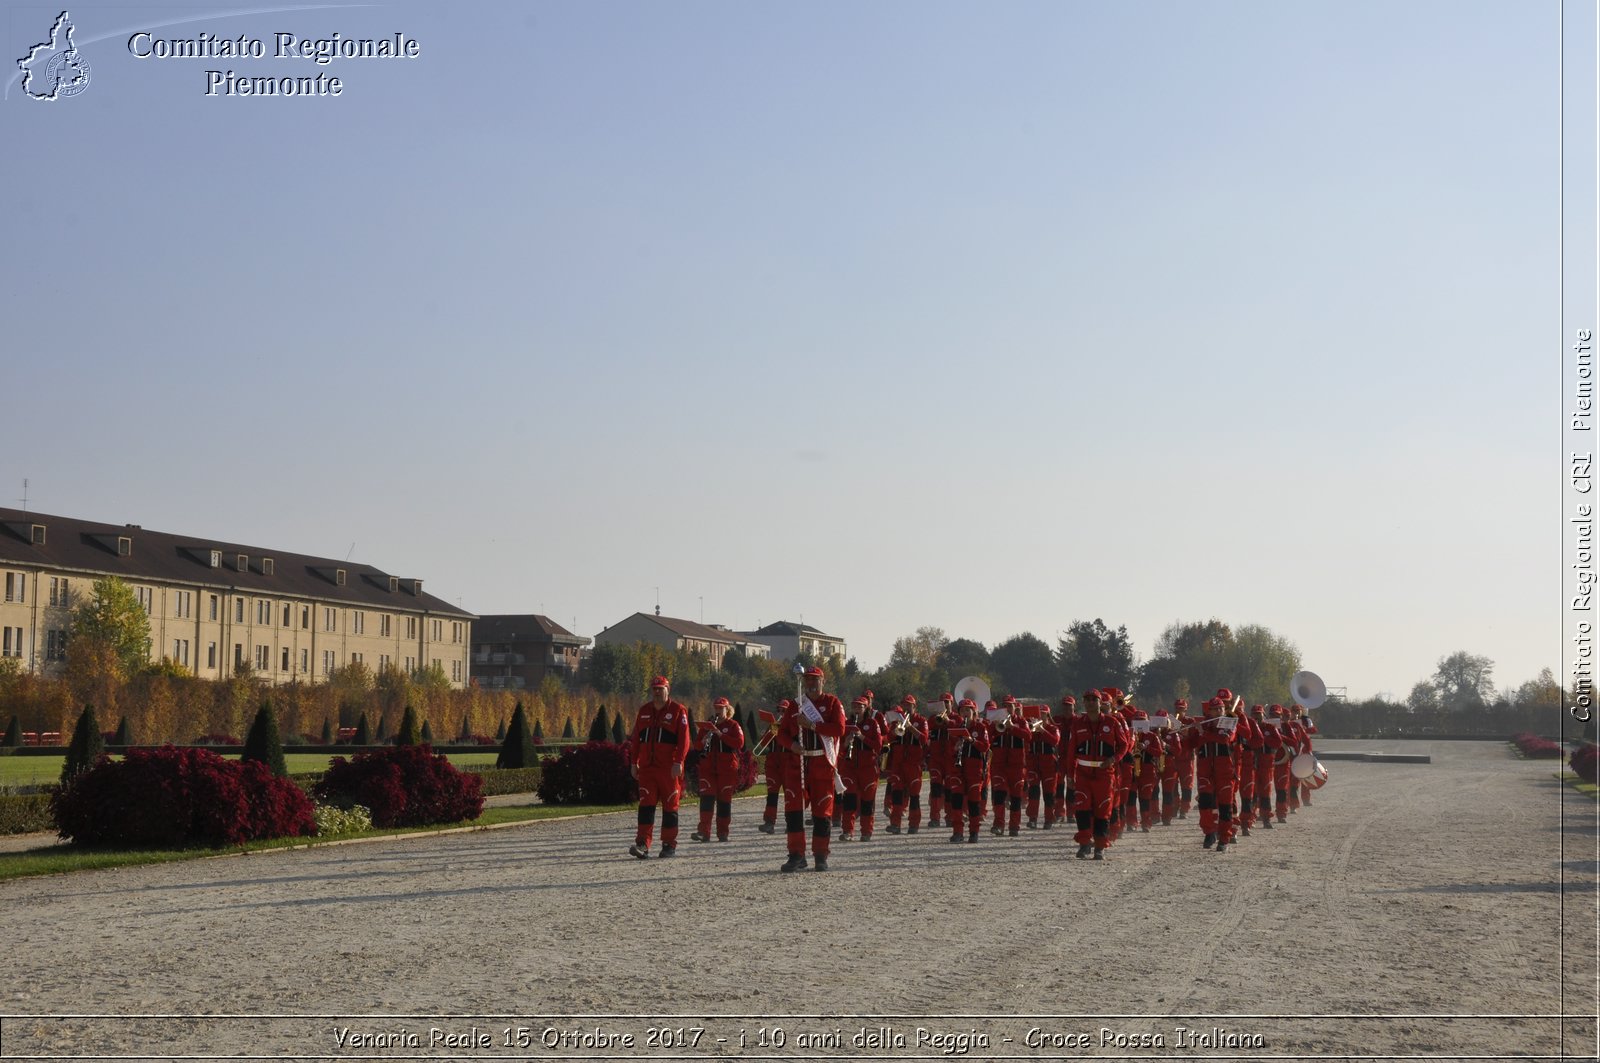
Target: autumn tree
{"type": "Point", "coordinates": [112, 617]}
{"type": "Point", "coordinates": [1092, 655]}
{"type": "Point", "coordinates": [1023, 664]}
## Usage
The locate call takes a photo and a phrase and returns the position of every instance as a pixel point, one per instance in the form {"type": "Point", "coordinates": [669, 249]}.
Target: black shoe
{"type": "Point", "coordinates": [1033, 824]}
{"type": "Point", "coordinates": [1244, 831]}
{"type": "Point", "coordinates": [821, 863]}
{"type": "Point", "coordinates": [641, 851]}
{"type": "Point", "coordinates": [1183, 815]}
{"type": "Point", "coordinates": [1013, 832]}
{"type": "Point", "coordinates": [972, 839]}
{"type": "Point", "coordinates": [1211, 839]}
{"type": "Point", "coordinates": [1099, 854]}
{"type": "Point", "coordinates": [912, 830]}
{"type": "Point", "coordinates": [666, 851]}
{"type": "Point", "coordinates": [1049, 823]}
{"type": "Point", "coordinates": [796, 862]}
{"type": "Point", "coordinates": [1143, 829]}
{"type": "Point", "coordinates": [1267, 823]}
{"type": "Point", "coordinates": [1083, 851]}
{"type": "Point", "coordinates": [722, 837]}
{"type": "Point", "coordinates": [1221, 846]}
{"type": "Point", "coordinates": [766, 828]}
{"type": "Point", "coordinates": [893, 829]}
{"type": "Point", "coordinates": [697, 836]}
{"type": "Point", "coordinates": [997, 830]}
{"type": "Point", "coordinates": [958, 837]}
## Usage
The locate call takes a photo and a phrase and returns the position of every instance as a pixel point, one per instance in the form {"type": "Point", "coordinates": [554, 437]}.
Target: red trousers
{"type": "Point", "coordinates": [657, 786]}
{"type": "Point", "coordinates": [1097, 795]}
{"type": "Point", "coordinates": [905, 784]}
{"type": "Point", "coordinates": [860, 798]}
{"type": "Point", "coordinates": [808, 780]}
{"type": "Point", "coordinates": [1214, 778]}
{"type": "Point", "coordinates": [1009, 771]}
{"type": "Point", "coordinates": [964, 790]}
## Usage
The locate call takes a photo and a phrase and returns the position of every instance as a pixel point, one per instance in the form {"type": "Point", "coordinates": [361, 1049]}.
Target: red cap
{"type": "Point", "coordinates": [1181, 704]}
{"type": "Point", "coordinates": [867, 694]}
{"type": "Point", "coordinates": [1092, 695]}
{"type": "Point", "coordinates": [721, 703]}
{"type": "Point", "coordinates": [909, 699]}
{"type": "Point", "coordinates": [947, 696]}
{"type": "Point", "coordinates": [862, 700]}
{"type": "Point", "coordinates": [1276, 710]}
{"type": "Point", "coordinates": [1161, 712]}
{"type": "Point", "coordinates": [659, 681]}
{"type": "Point", "coordinates": [1256, 710]}
{"type": "Point", "coordinates": [785, 704]}
{"type": "Point", "coordinates": [1224, 695]}
{"type": "Point", "coordinates": [1069, 701]}
{"type": "Point", "coordinates": [813, 672]}
{"type": "Point", "coordinates": [967, 703]}
{"type": "Point", "coordinates": [990, 704]}
{"type": "Point", "coordinates": [1009, 700]}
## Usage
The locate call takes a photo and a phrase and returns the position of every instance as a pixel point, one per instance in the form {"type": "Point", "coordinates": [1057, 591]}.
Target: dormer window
{"type": "Point", "coordinates": [338, 577]}
{"type": "Point", "coordinates": [216, 559]}
{"type": "Point", "coordinates": [266, 566]}
{"type": "Point", "coordinates": [37, 535]}
{"type": "Point", "coordinates": [124, 546]}
{"type": "Point", "coordinates": [243, 563]}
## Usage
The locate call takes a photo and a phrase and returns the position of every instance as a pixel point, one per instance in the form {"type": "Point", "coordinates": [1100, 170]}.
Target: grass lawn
{"type": "Point", "coordinates": [33, 771]}
{"type": "Point", "coordinates": [58, 859]}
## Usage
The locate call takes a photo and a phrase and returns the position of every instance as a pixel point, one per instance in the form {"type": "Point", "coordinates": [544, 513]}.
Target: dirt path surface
{"type": "Point", "coordinates": [1445, 909]}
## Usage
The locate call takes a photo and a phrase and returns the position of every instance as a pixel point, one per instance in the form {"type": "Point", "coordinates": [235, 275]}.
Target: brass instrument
{"type": "Point", "coordinates": [765, 745]}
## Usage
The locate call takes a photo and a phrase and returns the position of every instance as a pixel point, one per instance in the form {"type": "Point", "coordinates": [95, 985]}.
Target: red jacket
{"type": "Point", "coordinates": [1104, 738]}
{"type": "Point", "coordinates": [863, 739]}
{"type": "Point", "coordinates": [722, 750]}
{"type": "Point", "coordinates": [832, 724]}
{"type": "Point", "coordinates": [661, 736]}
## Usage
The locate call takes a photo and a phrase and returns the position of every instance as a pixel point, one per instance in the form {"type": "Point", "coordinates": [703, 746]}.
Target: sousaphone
{"type": "Point", "coordinates": [974, 688]}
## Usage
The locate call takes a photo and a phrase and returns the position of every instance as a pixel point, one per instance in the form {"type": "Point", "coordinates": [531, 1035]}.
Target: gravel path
{"type": "Point", "coordinates": [1407, 892]}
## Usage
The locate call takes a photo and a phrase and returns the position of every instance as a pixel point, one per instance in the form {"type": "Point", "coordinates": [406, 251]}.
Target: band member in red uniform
{"type": "Point", "coordinates": [1065, 796]}
{"type": "Point", "coordinates": [863, 741]}
{"type": "Point", "coordinates": [939, 759]}
{"type": "Point", "coordinates": [1126, 809]}
{"type": "Point", "coordinates": [969, 771]}
{"type": "Point", "coordinates": [908, 745]}
{"type": "Point", "coordinates": [1171, 753]}
{"type": "Point", "coordinates": [1214, 778]}
{"type": "Point", "coordinates": [1150, 754]}
{"type": "Point", "coordinates": [772, 765]}
{"type": "Point", "coordinates": [1245, 749]}
{"type": "Point", "coordinates": [1008, 768]}
{"type": "Point", "coordinates": [1307, 729]}
{"type": "Point", "coordinates": [812, 773]}
{"type": "Point", "coordinates": [660, 744]}
{"type": "Point", "coordinates": [1185, 757]}
{"type": "Point", "coordinates": [1288, 744]}
{"type": "Point", "coordinates": [1098, 740]}
{"type": "Point", "coordinates": [1266, 759]}
{"type": "Point", "coordinates": [720, 742]}
{"type": "Point", "coordinates": [1044, 767]}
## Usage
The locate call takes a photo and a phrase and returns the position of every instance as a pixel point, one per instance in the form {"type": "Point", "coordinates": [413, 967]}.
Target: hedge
{"type": "Point", "coordinates": [25, 813]}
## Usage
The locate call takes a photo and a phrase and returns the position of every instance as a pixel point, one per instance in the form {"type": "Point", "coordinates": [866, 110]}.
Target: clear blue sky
{"type": "Point", "coordinates": [990, 317]}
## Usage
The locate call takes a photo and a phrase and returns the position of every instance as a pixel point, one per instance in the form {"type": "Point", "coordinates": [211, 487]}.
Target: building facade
{"type": "Point", "coordinates": [217, 608]}
{"type": "Point", "coordinates": [789, 640]}
{"type": "Point", "coordinates": [672, 633]}
{"type": "Point", "coordinates": [515, 652]}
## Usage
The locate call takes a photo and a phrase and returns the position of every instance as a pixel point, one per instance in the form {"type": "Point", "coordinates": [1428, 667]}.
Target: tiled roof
{"type": "Point", "coordinates": [93, 549]}
{"type": "Point", "coordinates": [523, 627]}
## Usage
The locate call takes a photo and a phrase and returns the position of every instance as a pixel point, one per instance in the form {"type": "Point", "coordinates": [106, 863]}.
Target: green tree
{"type": "Point", "coordinates": [1424, 697]}
{"type": "Point", "coordinates": [919, 649]}
{"type": "Point", "coordinates": [431, 679]}
{"type": "Point", "coordinates": [600, 729]}
{"type": "Point", "coordinates": [363, 735]}
{"type": "Point", "coordinates": [427, 734]}
{"type": "Point", "coordinates": [569, 731]}
{"type": "Point", "coordinates": [1092, 655]}
{"type": "Point", "coordinates": [410, 733]}
{"type": "Point", "coordinates": [964, 657]}
{"type": "Point", "coordinates": [619, 734]}
{"type": "Point", "coordinates": [327, 731]}
{"type": "Point", "coordinates": [538, 730]}
{"type": "Point", "coordinates": [13, 737]}
{"type": "Point", "coordinates": [1024, 665]}
{"type": "Point", "coordinates": [264, 743]}
{"type": "Point", "coordinates": [124, 735]}
{"type": "Point", "coordinates": [383, 732]}
{"type": "Point", "coordinates": [86, 747]}
{"type": "Point", "coordinates": [517, 750]}
{"type": "Point", "coordinates": [111, 616]}
{"type": "Point", "coordinates": [1464, 681]}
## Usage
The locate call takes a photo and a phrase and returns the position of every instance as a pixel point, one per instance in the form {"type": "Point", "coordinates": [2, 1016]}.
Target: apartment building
{"type": "Point", "coordinates": [672, 633]}
{"type": "Point", "coordinates": [216, 606]}
{"type": "Point", "coordinates": [516, 651]}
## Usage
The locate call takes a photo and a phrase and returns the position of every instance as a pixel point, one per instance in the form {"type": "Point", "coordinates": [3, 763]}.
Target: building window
{"type": "Point", "coordinates": [262, 658]}
{"type": "Point", "coordinates": [263, 612]}
{"type": "Point", "coordinates": [180, 652]}
{"type": "Point", "coordinates": [147, 598]}
{"type": "Point", "coordinates": [356, 658]}
{"type": "Point", "coordinates": [455, 632]}
{"type": "Point", "coordinates": [11, 643]}
{"type": "Point", "coordinates": [58, 591]}
{"type": "Point", "coordinates": [438, 631]}
{"type": "Point", "coordinates": [411, 627]}
{"type": "Point", "coordinates": [455, 671]}
{"type": "Point", "coordinates": [285, 665]}
{"type": "Point", "coordinates": [16, 586]}
{"type": "Point", "coordinates": [383, 662]}
{"type": "Point", "coordinates": [305, 660]}
{"type": "Point", "coordinates": [238, 611]}
{"type": "Point", "coordinates": [305, 618]}
{"type": "Point", "coordinates": [383, 624]}
{"type": "Point", "coordinates": [330, 620]}
{"type": "Point", "coordinates": [411, 665]}
{"type": "Point", "coordinates": [211, 655]}
{"type": "Point", "coordinates": [358, 622]}
{"type": "Point", "coordinates": [183, 603]}
{"type": "Point", "coordinates": [238, 655]}
{"type": "Point", "coordinates": [328, 663]}
{"type": "Point", "coordinates": [287, 611]}
{"type": "Point", "coordinates": [212, 608]}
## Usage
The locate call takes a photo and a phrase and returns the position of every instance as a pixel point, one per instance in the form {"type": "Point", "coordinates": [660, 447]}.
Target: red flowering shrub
{"type": "Point", "coordinates": [172, 796]}
{"type": "Point", "coordinates": [595, 773]}
{"type": "Point", "coordinates": [1586, 762]}
{"type": "Point", "coordinates": [404, 786]}
{"type": "Point", "coordinates": [1533, 746]}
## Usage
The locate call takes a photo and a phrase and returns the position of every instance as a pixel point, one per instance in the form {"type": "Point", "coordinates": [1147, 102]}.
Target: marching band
{"type": "Point", "coordinates": [1115, 767]}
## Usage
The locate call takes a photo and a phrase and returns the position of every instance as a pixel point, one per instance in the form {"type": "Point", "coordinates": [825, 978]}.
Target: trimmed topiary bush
{"type": "Point", "coordinates": [538, 731]}
{"type": "Point", "coordinates": [263, 745]}
{"type": "Point", "coordinates": [175, 797]}
{"type": "Point", "coordinates": [568, 731]}
{"type": "Point", "coordinates": [363, 735]}
{"type": "Point", "coordinates": [327, 731]}
{"type": "Point", "coordinates": [595, 773]}
{"type": "Point", "coordinates": [600, 728]}
{"type": "Point", "coordinates": [404, 786]}
{"type": "Point", "coordinates": [13, 737]}
{"type": "Point", "coordinates": [517, 749]}
{"type": "Point", "coordinates": [410, 733]}
{"type": "Point", "coordinates": [87, 746]}
{"type": "Point", "coordinates": [619, 733]}
{"type": "Point", "coordinates": [124, 735]}
{"type": "Point", "coordinates": [427, 734]}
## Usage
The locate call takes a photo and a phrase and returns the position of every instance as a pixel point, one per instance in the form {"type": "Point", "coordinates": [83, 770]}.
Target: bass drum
{"type": "Point", "coordinates": [1303, 767]}
{"type": "Point", "coordinates": [1319, 776]}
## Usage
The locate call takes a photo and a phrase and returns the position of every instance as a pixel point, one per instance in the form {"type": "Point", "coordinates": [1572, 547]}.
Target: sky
{"type": "Point", "coordinates": [989, 317]}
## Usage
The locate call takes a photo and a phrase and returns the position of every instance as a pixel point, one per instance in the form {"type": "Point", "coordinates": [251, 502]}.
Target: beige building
{"type": "Point", "coordinates": [214, 606]}
{"type": "Point", "coordinates": [789, 640]}
{"type": "Point", "coordinates": [671, 633]}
